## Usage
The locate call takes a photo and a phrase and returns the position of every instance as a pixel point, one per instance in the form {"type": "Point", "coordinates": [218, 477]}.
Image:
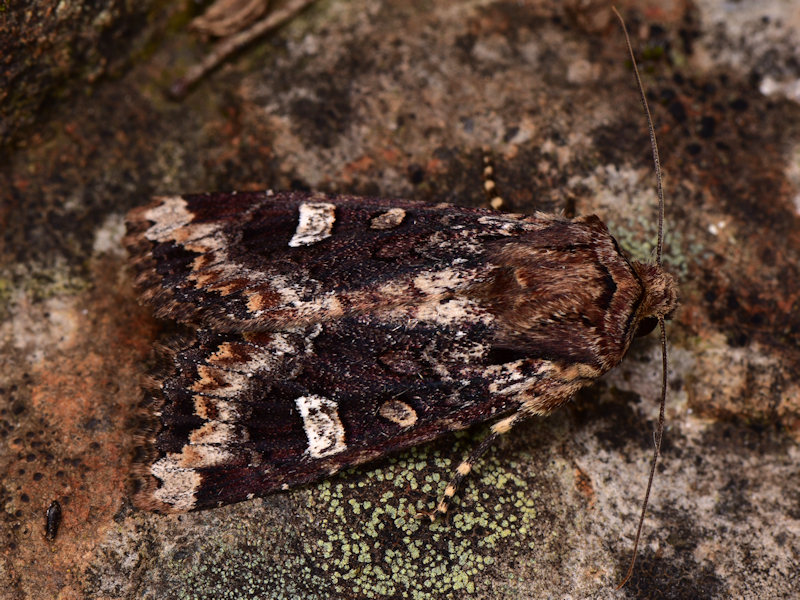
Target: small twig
{"type": "Point", "coordinates": [234, 43]}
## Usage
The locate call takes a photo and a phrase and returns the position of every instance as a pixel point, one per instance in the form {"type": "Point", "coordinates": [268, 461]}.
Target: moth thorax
{"type": "Point", "coordinates": [660, 291]}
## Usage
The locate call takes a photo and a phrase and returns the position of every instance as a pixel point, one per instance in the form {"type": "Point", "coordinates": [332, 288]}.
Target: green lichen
{"type": "Point", "coordinates": [5, 296]}
{"type": "Point", "coordinates": [638, 237]}
{"type": "Point", "coordinates": [40, 284]}
{"type": "Point", "coordinates": [357, 535]}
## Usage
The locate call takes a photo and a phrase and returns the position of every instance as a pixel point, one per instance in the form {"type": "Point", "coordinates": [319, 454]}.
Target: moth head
{"type": "Point", "coordinates": [660, 296]}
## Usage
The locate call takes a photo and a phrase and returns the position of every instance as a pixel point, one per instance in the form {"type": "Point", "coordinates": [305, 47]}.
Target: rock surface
{"type": "Point", "coordinates": [399, 99]}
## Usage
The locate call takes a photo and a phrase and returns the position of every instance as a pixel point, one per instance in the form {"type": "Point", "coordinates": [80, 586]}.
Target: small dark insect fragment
{"type": "Point", "coordinates": [52, 520]}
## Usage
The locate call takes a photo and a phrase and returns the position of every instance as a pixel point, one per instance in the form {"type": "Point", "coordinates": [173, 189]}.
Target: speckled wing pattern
{"type": "Point", "coordinates": [332, 330]}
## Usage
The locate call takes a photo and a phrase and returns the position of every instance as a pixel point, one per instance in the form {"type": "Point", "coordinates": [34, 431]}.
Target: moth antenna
{"type": "Point", "coordinates": [659, 252]}
{"type": "Point", "coordinates": [653, 143]}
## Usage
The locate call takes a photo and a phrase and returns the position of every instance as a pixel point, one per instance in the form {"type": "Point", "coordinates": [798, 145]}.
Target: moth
{"type": "Point", "coordinates": [332, 330]}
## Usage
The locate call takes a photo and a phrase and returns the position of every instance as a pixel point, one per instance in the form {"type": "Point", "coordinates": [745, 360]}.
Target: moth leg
{"type": "Point", "coordinates": [489, 185]}
{"type": "Point", "coordinates": [498, 429]}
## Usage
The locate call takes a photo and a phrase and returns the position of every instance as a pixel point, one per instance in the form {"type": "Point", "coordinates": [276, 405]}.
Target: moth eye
{"type": "Point", "coordinates": [646, 325]}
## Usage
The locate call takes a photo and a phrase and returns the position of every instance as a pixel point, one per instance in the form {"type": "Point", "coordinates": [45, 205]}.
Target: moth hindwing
{"type": "Point", "coordinates": [331, 330]}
